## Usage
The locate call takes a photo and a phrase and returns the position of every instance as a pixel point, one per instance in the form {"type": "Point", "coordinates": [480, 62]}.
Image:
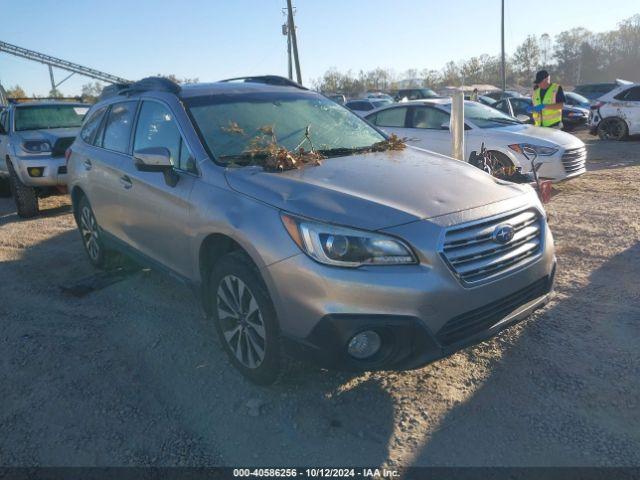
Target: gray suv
{"type": "Point", "coordinates": [34, 136]}
{"type": "Point", "coordinates": [371, 258]}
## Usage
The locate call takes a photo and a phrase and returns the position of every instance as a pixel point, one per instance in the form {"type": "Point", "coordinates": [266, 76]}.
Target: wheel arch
{"type": "Point", "coordinates": [212, 248]}
{"type": "Point", "coordinates": [76, 194]}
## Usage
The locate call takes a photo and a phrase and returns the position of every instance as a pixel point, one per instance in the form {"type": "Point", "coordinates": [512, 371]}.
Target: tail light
{"type": "Point", "coordinates": [67, 154]}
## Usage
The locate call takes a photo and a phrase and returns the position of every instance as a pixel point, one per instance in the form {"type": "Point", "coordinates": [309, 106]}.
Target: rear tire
{"type": "Point", "coordinates": [25, 197]}
{"type": "Point", "coordinates": [92, 240]}
{"type": "Point", "coordinates": [613, 129]}
{"type": "Point", "coordinates": [245, 319]}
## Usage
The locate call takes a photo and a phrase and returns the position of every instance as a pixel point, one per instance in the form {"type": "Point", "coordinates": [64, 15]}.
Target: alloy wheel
{"type": "Point", "coordinates": [241, 321]}
{"type": "Point", "coordinates": [89, 230]}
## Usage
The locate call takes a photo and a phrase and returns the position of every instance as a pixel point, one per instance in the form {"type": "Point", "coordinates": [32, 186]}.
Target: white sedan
{"type": "Point", "coordinates": [616, 114]}
{"type": "Point", "coordinates": [425, 124]}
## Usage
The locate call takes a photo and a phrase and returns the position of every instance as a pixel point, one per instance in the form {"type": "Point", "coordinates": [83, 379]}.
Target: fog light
{"type": "Point", "coordinates": [364, 344]}
{"type": "Point", "coordinates": [35, 171]}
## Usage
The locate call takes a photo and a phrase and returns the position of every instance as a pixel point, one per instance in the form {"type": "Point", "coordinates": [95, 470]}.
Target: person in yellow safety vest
{"type": "Point", "coordinates": [548, 100]}
{"type": "Point", "coordinates": [474, 95]}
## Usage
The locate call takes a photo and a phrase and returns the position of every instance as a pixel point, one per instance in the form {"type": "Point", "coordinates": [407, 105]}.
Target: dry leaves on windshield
{"type": "Point", "coordinates": [392, 143]}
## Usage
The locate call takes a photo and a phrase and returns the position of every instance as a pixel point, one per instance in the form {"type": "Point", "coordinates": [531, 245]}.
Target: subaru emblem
{"type": "Point", "coordinates": [503, 234]}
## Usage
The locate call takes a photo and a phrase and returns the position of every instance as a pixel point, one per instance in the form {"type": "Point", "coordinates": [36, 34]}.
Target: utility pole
{"type": "Point", "coordinates": [294, 41]}
{"type": "Point", "coordinates": [285, 31]}
{"type": "Point", "coordinates": [504, 66]}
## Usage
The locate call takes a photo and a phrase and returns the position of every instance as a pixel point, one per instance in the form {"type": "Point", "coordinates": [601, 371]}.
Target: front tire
{"type": "Point", "coordinates": [245, 319]}
{"type": "Point", "coordinates": [613, 129]}
{"type": "Point", "coordinates": [25, 197]}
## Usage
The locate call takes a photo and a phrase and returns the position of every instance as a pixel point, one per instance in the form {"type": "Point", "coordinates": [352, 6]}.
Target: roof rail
{"type": "Point", "coordinates": [38, 99]}
{"type": "Point", "coordinates": [156, 84]}
{"type": "Point", "coordinates": [268, 79]}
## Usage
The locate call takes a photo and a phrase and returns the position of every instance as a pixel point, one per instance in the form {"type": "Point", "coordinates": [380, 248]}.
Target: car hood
{"type": "Point", "coordinates": [540, 135]}
{"type": "Point", "coordinates": [374, 190]}
{"type": "Point", "coordinates": [52, 135]}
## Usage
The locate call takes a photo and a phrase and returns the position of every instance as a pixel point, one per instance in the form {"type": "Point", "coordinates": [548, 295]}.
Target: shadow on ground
{"type": "Point", "coordinates": [544, 402]}
{"type": "Point", "coordinates": [131, 374]}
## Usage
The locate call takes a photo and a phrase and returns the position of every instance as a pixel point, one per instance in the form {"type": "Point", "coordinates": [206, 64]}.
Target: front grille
{"type": "Point", "coordinates": [474, 256]}
{"type": "Point", "coordinates": [468, 324]}
{"type": "Point", "coordinates": [61, 146]}
{"type": "Point", "coordinates": [574, 159]}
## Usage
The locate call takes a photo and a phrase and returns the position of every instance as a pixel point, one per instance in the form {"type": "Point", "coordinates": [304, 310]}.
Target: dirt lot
{"type": "Point", "coordinates": [131, 374]}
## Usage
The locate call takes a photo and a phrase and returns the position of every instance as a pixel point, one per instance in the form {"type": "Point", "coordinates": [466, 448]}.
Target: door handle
{"type": "Point", "coordinates": [87, 164]}
{"type": "Point", "coordinates": [125, 181]}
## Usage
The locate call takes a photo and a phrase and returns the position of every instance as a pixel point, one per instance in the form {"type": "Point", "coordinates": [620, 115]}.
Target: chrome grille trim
{"type": "Point", "coordinates": [574, 159]}
{"type": "Point", "coordinates": [475, 258]}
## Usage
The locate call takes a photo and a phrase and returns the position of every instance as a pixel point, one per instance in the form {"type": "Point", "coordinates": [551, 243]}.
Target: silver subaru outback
{"type": "Point", "coordinates": [304, 230]}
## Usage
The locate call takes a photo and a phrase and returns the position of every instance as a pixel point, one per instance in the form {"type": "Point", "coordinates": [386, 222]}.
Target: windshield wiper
{"type": "Point", "coordinates": [506, 121]}
{"type": "Point", "coordinates": [342, 151]}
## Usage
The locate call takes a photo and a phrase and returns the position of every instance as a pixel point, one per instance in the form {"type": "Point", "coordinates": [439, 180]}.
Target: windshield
{"type": "Point", "coordinates": [231, 125]}
{"type": "Point", "coordinates": [43, 117]}
{"type": "Point", "coordinates": [579, 99]}
{"type": "Point", "coordinates": [484, 116]}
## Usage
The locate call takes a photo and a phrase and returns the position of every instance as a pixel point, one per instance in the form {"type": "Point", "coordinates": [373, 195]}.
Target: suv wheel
{"type": "Point", "coordinates": [245, 318]}
{"type": "Point", "coordinates": [98, 254]}
{"type": "Point", "coordinates": [25, 197]}
{"type": "Point", "coordinates": [613, 129]}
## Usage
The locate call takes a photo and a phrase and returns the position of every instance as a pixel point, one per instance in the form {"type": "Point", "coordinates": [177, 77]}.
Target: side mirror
{"type": "Point", "coordinates": [523, 118]}
{"type": "Point", "coordinates": [156, 159]}
{"type": "Point", "coordinates": [444, 126]}
{"type": "Point", "coordinates": [153, 159]}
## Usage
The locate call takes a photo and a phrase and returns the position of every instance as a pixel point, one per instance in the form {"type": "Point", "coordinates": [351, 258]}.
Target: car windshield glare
{"type": "Point", "coordinates": [483, 116]}
{"type": "Point", "coordinates": [44, 117]}
{"type": "Point", "coordinates": [232, 125]}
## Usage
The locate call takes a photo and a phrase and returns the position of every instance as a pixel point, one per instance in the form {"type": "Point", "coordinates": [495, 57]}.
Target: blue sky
{"type": "Point", "coordinates": [214, 39]}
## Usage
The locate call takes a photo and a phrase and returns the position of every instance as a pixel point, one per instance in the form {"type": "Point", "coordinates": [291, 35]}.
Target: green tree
{"type": "Point", "coordinates": [526, 60]}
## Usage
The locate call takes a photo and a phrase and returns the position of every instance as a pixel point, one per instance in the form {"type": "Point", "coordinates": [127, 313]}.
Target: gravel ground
{"type": "Point", "coordinates": [131, 374]}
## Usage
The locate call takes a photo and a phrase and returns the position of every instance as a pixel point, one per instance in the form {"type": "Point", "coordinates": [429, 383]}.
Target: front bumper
{"type": "Point", "coordinates": [411, 307]}
{"type": "Point", "coordinates": [54, 170]}
{"type": "Point", "coordinates": [407, 343]}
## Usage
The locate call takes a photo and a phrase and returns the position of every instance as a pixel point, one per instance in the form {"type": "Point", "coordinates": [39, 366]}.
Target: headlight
{"type": "Point", "coordinates": [539, 149]}
{"type": "Point", "coordinates": [36, 146]}
{"type": "Point", "coordinates": [346, 247]}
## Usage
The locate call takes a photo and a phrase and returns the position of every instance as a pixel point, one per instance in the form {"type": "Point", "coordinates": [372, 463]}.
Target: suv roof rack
{"type": "Point", "coordinates": [45, 99]}
{"type": "Point", "coordinates": [267, 79]}
{"type": "Point", "coordinates": [155, 84]}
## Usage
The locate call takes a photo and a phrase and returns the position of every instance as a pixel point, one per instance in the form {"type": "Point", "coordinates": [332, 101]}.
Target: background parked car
{"type": "Point", "coordinates": [33, 138]}
{"type": "Point", "coordinates": [364, 105]}
{"type": "Point", "coordinates": [593, 91]}
{"type": "Point", "coordinates": [415, 94]}
{"type": "Point", "coordinates": [486, 100]}
{"type": "Point", "coordinates": [337, 97]}
{"type": "Point", "coordinates": [617, 114]}
{"type": "Point", "coordinates": [576, 100]}
{"type": "Point", "coordinates": [572, 117]}
{"type": "Point", "coordinates": [499, 95]}
{"type": "Point", "coordinates": [379, 96]}
{"type": "Point", "coordinates": [425, 124]}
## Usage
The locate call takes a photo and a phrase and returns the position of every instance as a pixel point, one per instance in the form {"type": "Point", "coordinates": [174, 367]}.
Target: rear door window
{"type": "Point", "coordinates": [117, 128]}
{"type": "Point", "coordinates": [392, 117]}
{"type": "Point", "coordinates": [429, 118]}
{"type": "Point", "coordinates": [629, 95]}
